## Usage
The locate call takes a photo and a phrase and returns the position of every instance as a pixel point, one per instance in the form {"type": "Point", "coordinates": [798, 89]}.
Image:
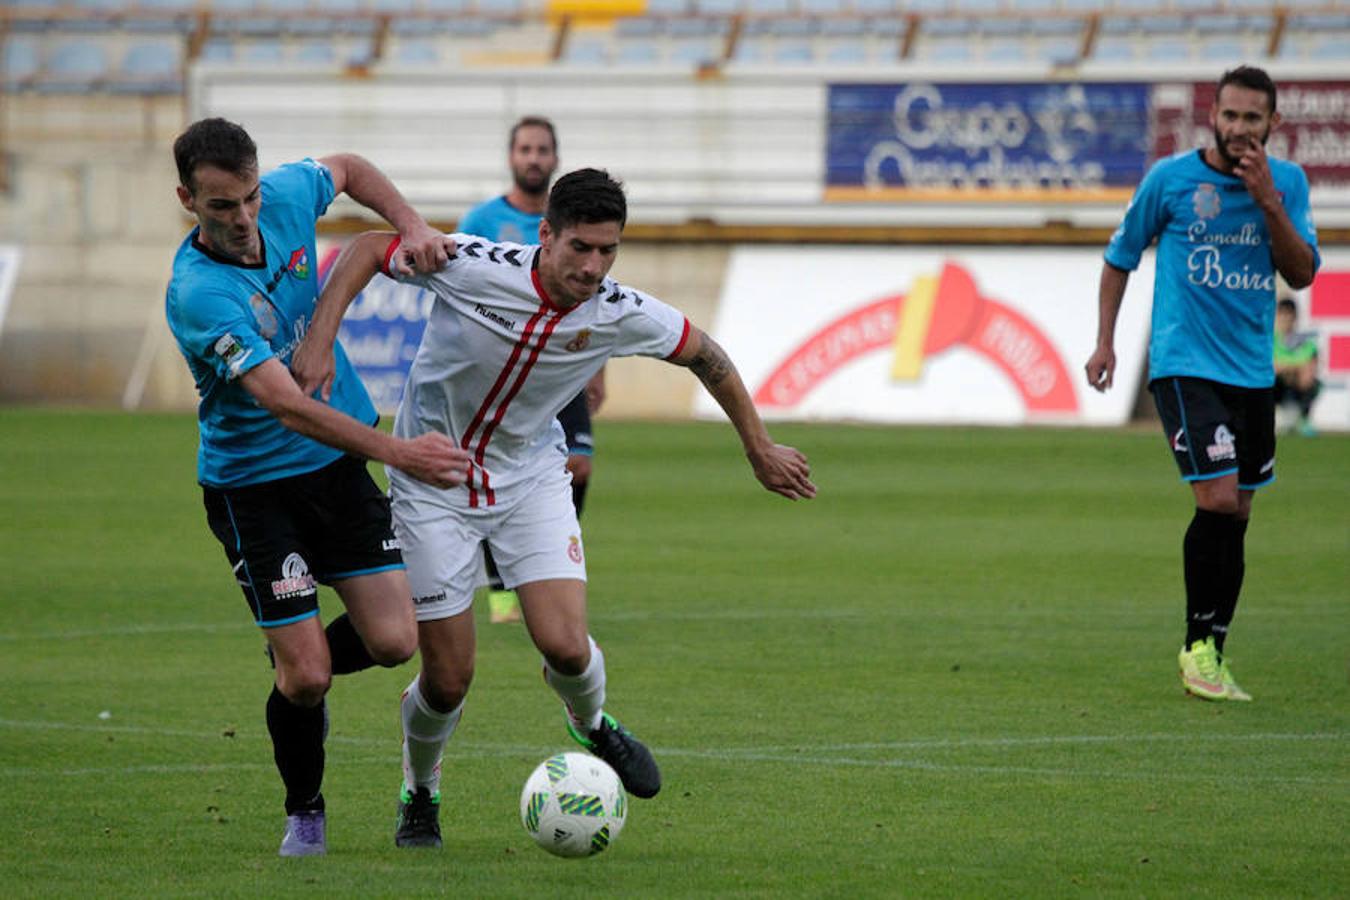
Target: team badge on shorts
{"type": "Point", "coordinates": [295, 580]}
{"type": "Point", "coordinates": [574, 549]}
{"type": "Point", "coordinates": [1223, 446]}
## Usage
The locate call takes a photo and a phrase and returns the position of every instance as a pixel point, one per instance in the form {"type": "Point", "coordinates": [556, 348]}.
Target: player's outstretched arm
{"type": "Point", "coordinates": [312, 362]}
{"type": "Point", "coordinates": [427, 248]}
{"type": "Point", "coordinates": [1101, 365]}
{"type": "Point", "coordinates": [782, 469]}
{"type": "Point", "coordinates": [432, 458]}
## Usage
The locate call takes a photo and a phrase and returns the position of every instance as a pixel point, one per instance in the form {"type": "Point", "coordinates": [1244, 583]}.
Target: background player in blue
{"type": "Point", "coordinates": [283, 475]}
{"type": "Point", "coordinates": [515, 217]}
{"type": "Point", "coordinates": [1227, 219]}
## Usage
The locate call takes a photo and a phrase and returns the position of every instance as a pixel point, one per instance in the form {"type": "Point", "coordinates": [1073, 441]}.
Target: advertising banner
{"type": "Point", "coordinates": [10, 254]}
{"type": "Point", "coordinates": [1027, 141]}
{"type": "Point", "coordinates": [1315, 131]}
{"type": "Point", "coordinates": [381, 331]}
{"type": "Point", "coordinates": [926, 335]}
{"type": "Point", "coordinates": [1324, 309]}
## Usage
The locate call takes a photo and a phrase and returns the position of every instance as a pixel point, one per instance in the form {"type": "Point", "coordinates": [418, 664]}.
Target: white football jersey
{"type": "Point", "coordinates": [498, 360]}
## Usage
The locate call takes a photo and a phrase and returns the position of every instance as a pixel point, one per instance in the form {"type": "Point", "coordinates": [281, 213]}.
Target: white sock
{"type": "Point", "coordinates": [584, 694]}
{"type": "Point", "coordinates": [425, 732]}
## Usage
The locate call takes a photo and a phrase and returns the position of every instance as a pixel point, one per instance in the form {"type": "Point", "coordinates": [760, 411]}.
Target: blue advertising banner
{"type": "Point", "coordinates": [972, 141]}
{"type": "Point", "coordinates": [380, 333]}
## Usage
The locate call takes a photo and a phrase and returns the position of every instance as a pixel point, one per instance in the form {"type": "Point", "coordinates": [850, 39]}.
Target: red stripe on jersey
{"type": "Point", "coordinates": [684, 338]}
{"type": "Point", "coordinates": [506, 401]}
{"type": "Point", "coordinates": [389, 254]}
{"type": "Point", "coordinates": [486, 405]}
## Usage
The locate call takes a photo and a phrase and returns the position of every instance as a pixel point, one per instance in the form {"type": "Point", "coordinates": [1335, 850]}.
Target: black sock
{"type": "Point", "coordinates": [1234, 570]}
{"type": "Point", "coordinates": [297, 746]}
{"type": "Point", "coordinates": [579, 494]}
{"type": "Point", "coordinates": [1205, 554]}
{"type": "Point", "coordinates": [1305, 399]}
{"type": "Point", "coordinates": [345, 647]}
{"type": "Point", "coordinates": [494, 577]}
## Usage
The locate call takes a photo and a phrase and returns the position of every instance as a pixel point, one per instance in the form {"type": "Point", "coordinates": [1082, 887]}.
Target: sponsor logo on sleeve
{"type": "Point", "coordinates": [232, 353]}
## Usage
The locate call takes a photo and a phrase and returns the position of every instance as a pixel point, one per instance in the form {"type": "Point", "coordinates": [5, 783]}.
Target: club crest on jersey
{"type": "Point", "coordinates": [1206, 201]}
{"type": "Point", "coordinates": [299, 264]}
{"type": "Point", "coordinates": [263, 314]}
{"type": "Point", "coordinates": [574, 549]}
{"type": "Point", "coordinates": [580, 342]}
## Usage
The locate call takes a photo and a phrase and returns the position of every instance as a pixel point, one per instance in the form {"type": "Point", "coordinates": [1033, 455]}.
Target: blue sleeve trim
{"type": "Point", "coordinates": [336, 575]}
{"type": "Point", "coordinates": [1259, 484]}
{"type": "Point", "coordinates": [300, 618]}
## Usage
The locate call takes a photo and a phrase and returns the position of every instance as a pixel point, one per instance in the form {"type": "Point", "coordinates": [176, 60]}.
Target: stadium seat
{"type": "Point", "coordinates": [314, 52]}
{"type": "Point", "coordinates": [150, 67]}
{"type": "Point", "coordinates": [586, 51]}
{"type": "Point", "coordinates": [1004, 51]}
{"type": "Point", "coordinates": [1058, 51]}
{"type": "Point", "coordinates": [1167, 50]}
{"type": "Point", "coordinates": [846, 53]}
{"type": "Point", "coordinates": [1222, 49]}
{"type": "Point", "coordinates": [262, 52]}
{"type": "Point", "coordinates": [637, 52]}
{"type": "Point", "coordinates": [74, 66]}
{"type": "Point", "coordinates": [639, 26]}
{"type": "Point", "coordinates": [822, 7]}
{"type": "Point", "coordinates": [948, 51]}
{"type": "Point", "coordinates": [217, 50]}
{"type": "Point", "coordinates": [1114, 48]}
{"type": "Point", "coordinates": [22, 61]}
{"type": "Point", "coordinates": [414, 52]}
{"type": "Point", "coordinates": [501, 7]}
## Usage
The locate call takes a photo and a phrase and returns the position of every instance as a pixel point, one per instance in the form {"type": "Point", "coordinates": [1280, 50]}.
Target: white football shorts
{"type": "Point", "coordinates": [532, 530]}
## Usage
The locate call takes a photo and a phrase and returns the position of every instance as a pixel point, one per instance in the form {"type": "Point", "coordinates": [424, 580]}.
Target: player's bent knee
{"type": "Point", "coordinates": [394, 651]}
{"type": "Point", "coordinates": [305, 686]}
{"type": "Point", "coordinates": [569, 660]}
{"type": "Point", "coordinates": [446, 689]}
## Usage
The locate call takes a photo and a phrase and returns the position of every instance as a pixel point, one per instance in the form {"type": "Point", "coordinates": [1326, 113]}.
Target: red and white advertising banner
{"type": "Point", "coordinates": [1315, 131]}
{"type": "Point", "coordinates": [927, 335]}
{"type": "Point", "coordinates": [1325, 309]}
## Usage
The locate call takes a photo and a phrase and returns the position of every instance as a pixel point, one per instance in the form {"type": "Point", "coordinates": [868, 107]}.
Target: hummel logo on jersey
{"type": "Point", "coordinates": [494, 317]}
{"type": "Point", "coordinates": [472, 249]}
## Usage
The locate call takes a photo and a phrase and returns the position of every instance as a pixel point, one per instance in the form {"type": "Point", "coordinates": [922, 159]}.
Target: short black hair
{"type": "Point", "coordinates": [1249, 77]}
{"type": "Point", "coordinates": [586, 196]}
{"type": "Point", "coordinates": [532, 122]}
{"type": "Point", "coordinates": [1287, 303]}
{"type": "Point", "coordinates": [214, 142]}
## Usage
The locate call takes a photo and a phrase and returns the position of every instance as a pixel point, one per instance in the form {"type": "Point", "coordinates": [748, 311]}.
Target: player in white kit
{"type": "Point", "coordinates": [515, 333]}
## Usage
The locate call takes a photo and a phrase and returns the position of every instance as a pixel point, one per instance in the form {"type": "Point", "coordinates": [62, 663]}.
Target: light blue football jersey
{"type": "Point", "coordinates": [1214, 288]}
{"type": "Point", "coordinates": [498, 220]}
{"type": "Point", "coordinates": [229, 318]}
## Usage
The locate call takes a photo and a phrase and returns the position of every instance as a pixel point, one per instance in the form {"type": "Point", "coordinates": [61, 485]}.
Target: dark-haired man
{"type": "Point", "coordinates": [283, 474]}
{"type": "Point", "coordinates": [1296, 381]}
{"type": "Point", "coordinates": [514, 217]}
{"type": "Point", "coordinates": [515, 333]}
{"type": "Point", "coordinates": [1227, 220]}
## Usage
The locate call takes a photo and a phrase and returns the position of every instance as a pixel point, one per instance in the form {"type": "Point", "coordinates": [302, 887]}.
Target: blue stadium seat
{"type": "Point", "coordinates": [22, 61]}
{"type": "Point", "coordinates": [822, 7]}
{"type": "Point", "coordinates": [717, 7]}
{"type": "Point", "coordinates": [847, 53]}
{"type": "Point", "coordinates": [586, 52]}
{"type": "Point", "coordinates": [74, 66]}
{"type": "Point", "coordinates": [1005, 50]}
{"type": "Point", "coordinates": [767, 7]}
{"type": "Point", "coordinates": [1332, 48]}
{"type": "Point", "coordinates": [944, 27]}
{"type": "Point", "coordinates": [849, 27]}
{"type": "Point", "coordinates": [1167, 50]}
{"type": "Point", "coordinates": [639, 26]}
{"type": "Point", "coordinates": [1058, 51]}
{"type": "Point", "coordinates": [668, 7]}
{"type": "Point", "coordinates": [415, 52]}
{"type": "Point", "coordinates": [1114, 48]}
{"type": "Point", "coordinates": [1222, 50]}
{"type": "Point", "coordinates": [217, 50]}
{"type": "Point", "coordinates": [637, 52]}
{"type": "Point", "coordinates": [501, 7]}
{"type": "Point", "coordinates": [315, 52]}
{"type": "Point", "coordinates": [150, 67]}
{"type": "Point", "coordinates": [949, 51]}
{"type": "Point", "coordinates": [393, 6]}
{"type": "Point", "coordinates": [794, 53]}
{"type": "Point", "coordinates": [261, 52]}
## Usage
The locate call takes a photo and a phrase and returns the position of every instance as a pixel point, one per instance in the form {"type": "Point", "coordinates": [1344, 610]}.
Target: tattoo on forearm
{"type": "Point", "coordinates": [711, 364]}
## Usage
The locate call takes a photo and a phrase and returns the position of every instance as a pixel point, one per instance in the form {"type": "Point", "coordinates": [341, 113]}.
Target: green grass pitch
{"type": "Point", "coordinates": [950, 675]}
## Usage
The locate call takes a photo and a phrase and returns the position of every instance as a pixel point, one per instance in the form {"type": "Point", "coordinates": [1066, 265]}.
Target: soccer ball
{"type": "Point", "coordinates": [573, 805]}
